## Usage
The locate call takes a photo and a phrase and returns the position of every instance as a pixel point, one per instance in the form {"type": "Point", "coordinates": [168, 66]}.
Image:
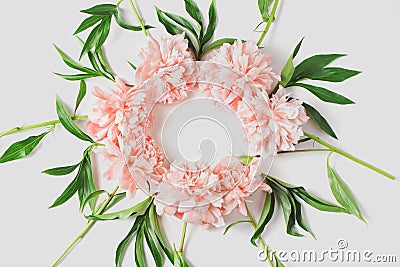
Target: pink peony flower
{"type": "Point", "coordinates": [106, 119]}
{"type": "Point", "coordinates": [167, 65]}
{"type": "Point", "coordinates": [189, 192]}
{"type": "Point", "coordinates": [252, 71]}
{"type": "Point", "coordinates": [289, 116]}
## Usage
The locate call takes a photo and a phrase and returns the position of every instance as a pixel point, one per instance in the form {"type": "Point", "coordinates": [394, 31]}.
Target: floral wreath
{"type": "Point", "coordinates": [236, 75]}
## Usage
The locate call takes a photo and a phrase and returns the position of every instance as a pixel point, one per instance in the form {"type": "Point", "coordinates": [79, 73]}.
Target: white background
{"type": "Point", "coordinates": [32, 235]}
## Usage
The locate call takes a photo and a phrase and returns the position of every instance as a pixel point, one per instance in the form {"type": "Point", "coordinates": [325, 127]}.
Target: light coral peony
{"type": "Point", "coordinates": [170, 61]}
{"type": "Point", "coordinates": [289, 115]}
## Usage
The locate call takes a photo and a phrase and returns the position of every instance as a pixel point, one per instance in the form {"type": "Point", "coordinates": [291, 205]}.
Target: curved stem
{"type": "Point", "coordinates": [350, 157]}
{"type": "Point", "coordinates": [269, 22]}
{"type": "Point", "coordinates": [87, 228]}
{"type": "Point", "coordinates": [140, 20]}
{"type": "Point", "coordinates": [39, 125]}
{"type": "Point", "coordinates": [267, 251]}
{"type": "Point", "coordinates": [183, 237]}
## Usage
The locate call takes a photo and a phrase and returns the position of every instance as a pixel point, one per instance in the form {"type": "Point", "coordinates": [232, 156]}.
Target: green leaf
{"type": "Point", "coordinates": [326, 95]}
{"type": "Point", "coordinates": [71, 189]}
{"type": "Point", "coordinates": [140, 256]}
{"type": "Point", "coordinates": [81, 95]}
{"type": "Point", "coordinates": [132, 65]}
{"type": "Point", "coordinates": [335, 75]}
{"type": "Point", "coordinates": [104, 31]}
{"type": "Point", "coordinates": [212, 23]}
{"type": "Point", "coordinates": [342, 192]}
{"type": "Point", "coordinates": [130, 27]}
{"type": "Point", "coordinates": [92, 39]}
{"type": "Point", "coordinates": [159, 233]}
{"type": "Point", "coordinates": [234, 224]}
{"type": "Point", "coordinates": [265, 217]}
{"type": "Point", "coordinates": [76, 77]}
{"type": "Point", "coordinates": [309, 198]}
{"type": "Point", "coordinates": [158, 259]}
{"type": "Point", "coordinates": [22, 148]}
{"type": "Point", "coordinates": [93, 196]}
{"type": "Point", "coordinates": [68, 123]}
{"type": "Point", "coordinates": [101, 10]}
{"type": "Point", "coordinates": [299, 215]}
{"type": "Point", "coordinates": [102, 59]}
{"type": "Point", "coordinates": [123, 214]}
{"type": "Point", "coordinates": [85, 182]}
{"type": "Point", "coordinates": [181, 21]}
{"type": "Point", "coordinates": [278, 263]}
{"type": "Point", "coordinates": [72, 64]}
{"type": "Point", "coordinates": [173, 29]}
{"type": "Point", "coordinates": [313, 64]}
{"type": "Point", "coordinates": [87, 23]}
{"type": "Point", "coordinates": [288, 69]}
{"type": "Point", "coordinates": [288, 210]}
{"type": "Point", "coordinates": [263, 6]}
{"type": "Point", "coordinates": [218, 43]}
{"type": "Point", "coordinates": [319, 120]}
{"type": "Point", "coordinates": [94, 63]}
{"type": "Point", "coordinates": [193, 10]}
{"type": "Point", "coordinates": [119, 254]}
{"type": "Point", "coordinates": [61, 171]}
{"type": "Point", "coordinates": [179, 261]}
{"type": "Point", "coordinates": [115, 200]}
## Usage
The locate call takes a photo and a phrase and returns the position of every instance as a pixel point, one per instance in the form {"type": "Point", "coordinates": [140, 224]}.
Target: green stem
{"type": "Point", "coordinates": [183, 237]}
{"type": "Point", "coordinates": [304, 151]}
{"type": "Point", "coordinates": [267, 251]}
{"type": "Point", "coordinates": [140, 20]}
{"type": "Point", "coordinates": [269, 22]}
{"type": "Point", "coordinates": [119, 2]}
{"type": "Point", "coordinates": [87, 228]}
{"type": "Point", "coordinates": [349, 156]}
{"type": "Point", "coordinates": [39, 125]}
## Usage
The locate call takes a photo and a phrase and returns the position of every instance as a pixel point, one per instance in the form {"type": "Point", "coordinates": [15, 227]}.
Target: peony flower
{"type": "Point", "coordinates": [167, 64]}
{"type": "Point", "coordinates": [106, 119]}
{"type": "Point", "coordinates": [289, 115]}
{"type": "Point", "coordinates": [189, 192]}
{"type": "Point", "coordinates": [252, 71]}
{"type": "Point", "coordinates": [238, 181]}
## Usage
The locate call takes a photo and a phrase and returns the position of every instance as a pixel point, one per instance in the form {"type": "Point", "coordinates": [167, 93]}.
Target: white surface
{"type": "Point", "coordinates": [31, 235]}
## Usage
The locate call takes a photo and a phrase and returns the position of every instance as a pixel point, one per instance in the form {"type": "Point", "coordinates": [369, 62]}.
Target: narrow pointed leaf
{"type": "Point", "coordinates": [87, 23]}
{"type": "Point", "coordinates": [86, 184]}
{"type": "Point", "coordinates": [68, 123]}
{"type": "Point", "coordinates": [234, 224]}
{"type": "Point", "coordinates": [101, 10]}
{"type": "Point", "coordinates": [140, 257]}
{"type": "Point", "coordinates": [73, 64]}
{"type": "Point", "coordinates": [91, 41]}
{"type": "Point", "coordinates": [181, 21]}
{"type": "Point", "coordinates": [263, 6]}
{"type": "Point", "coordinates": [22, 148]}
{"type": "Point", "coordinates": [76, 77]}
{"type": "Point", "coordinates": [129, 27]}
{"type": "Point", "coordinates": [318, 119]}
{"type": "Point", "coordinates": [219, 43]}
{"type": "Point", "coordinates": [335, 75]}
{"type": "Point", "coordinates": [61, 171]}
{"type": "Point", "coordinates": [312, 65]}
{"type": "Point", "coordinates": [288, 69]}
{"type": "Point", "coordinates": [132, 65]}
{"type": "Point", "coordinates": [115, 200]}
{"type": "Point", "coordinates": [265, 217]}
{"type": "Point", "coordinates": [342, 193]}
{"type": "Point", "coordinates": [158, 259]}
{"type": "Point", "coordinates": [159, 233]}
{"type": "Point", "coordinates": [71, 189]}
{"type": "Point", "coordinates": [193, 10]}
{"type": "Point", "coordinates": [123, 214]}
{"type": "Point", "coordinates": [81, 95]}
{"type": "Point", "coordinates": [212, 23]}
{"type": "Point", "coordinates": [104, 31]}
{"type": "Point", "coordinates": [325, 94]}
{"type": "Point", "coordinates": [278, 262]}
{"type": "Point", "coordinates": [299, 215]}
{"type": "Point", "coordinates": [119, 254]}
